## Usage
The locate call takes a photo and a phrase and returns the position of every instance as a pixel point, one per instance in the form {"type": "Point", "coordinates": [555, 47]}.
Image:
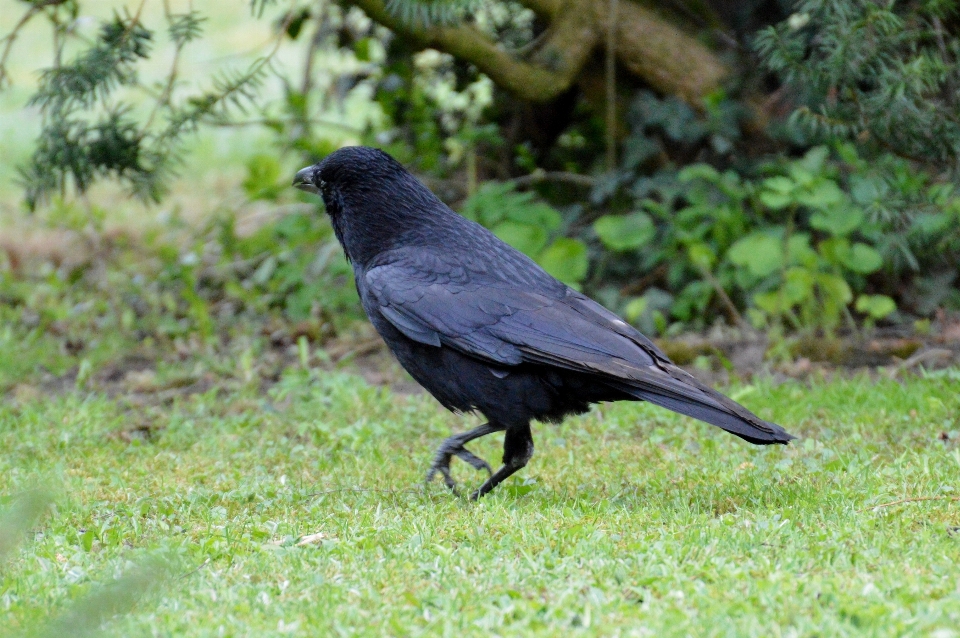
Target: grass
{"type": "Point", "coordinates": [302, 512]}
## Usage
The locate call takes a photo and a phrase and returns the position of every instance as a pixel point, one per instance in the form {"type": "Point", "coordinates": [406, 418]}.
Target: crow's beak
{"type": "Point", "coordinates": [304, 180]}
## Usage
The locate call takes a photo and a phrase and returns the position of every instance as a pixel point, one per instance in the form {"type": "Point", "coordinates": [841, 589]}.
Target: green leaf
{"type": "Point", "coordinates": [625, 232]}
{"type": "Point", "coordinates": [526, 238]}
{"type": "Point", "coordinates": [835, 289]}
{"type": "Point", "coordinates": [778, 192]}
{"type": "Point", "coordinates": [931, 224]}
{"type": "Point", "coordinates": [836, 250]}
{"type": "Point", "coordinates": [701, 256]}
{"type": "Point", "coordinates": [87, 538]}
{"type": "Point", "coordinates": [634, 308]}
{"type": "Point", "coordinates": [535, 214]}
{"type": "Point", "coordinates": [864, 259]}
{"type": "Point", "coordinates": [698, 171]}
{"type": "Point", "coordinates": [487, 205]}
{"type": "Point", "coordinates": [867, 189]}
{"type": "Point", "coordinates": [775, 200]}
{"type": "Point", "coordinates": [814, 160]}
{"type": "Point", "coordinates": [801, 252]}
{"type": "Point", "coordinates": [495, 202]}
{"type": "Point", "coordinates": [361, 49]}
{"type": "Point", "coordinates": [837, 221]}
{"type": "Point", "coordinates": [760, 253]}
{"type": "Point", "coordinates": [798, 286]}
{"type": "Point", "coordinates": [801, 175]}
{"type": "Point", "coordinates": [769, 302]}
{"type": "Point", "coordinates": [780, 184]}
{"type": "Point", "coordinates": [824, 195]}
{"type": "Point", "coordinates": [566, 259]}
{"type": "Point", "coordinates": [877, 306]}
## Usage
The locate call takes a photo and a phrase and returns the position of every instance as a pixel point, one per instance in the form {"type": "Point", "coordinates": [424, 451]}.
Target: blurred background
{"type": "Point", "coordinates": [757, 184]}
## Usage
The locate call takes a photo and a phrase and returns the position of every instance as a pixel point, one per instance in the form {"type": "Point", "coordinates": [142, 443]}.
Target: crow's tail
{"type": "Point", "coordinates": [694, 399]}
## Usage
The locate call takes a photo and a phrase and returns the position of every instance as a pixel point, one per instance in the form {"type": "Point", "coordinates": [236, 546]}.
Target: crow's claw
{"type": "Point", "coordinates": [444, 469]}
{"type": "Point", "coordinates": [453, 446]}
{"type": "Point", "coordinates": [441, 464]}
{"type": "Point", "coordinates": [475, 461]}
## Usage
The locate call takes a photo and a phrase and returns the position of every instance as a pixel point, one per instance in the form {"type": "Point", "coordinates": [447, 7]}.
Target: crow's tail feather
{"type": "Point", "coordinates": [712, 407]}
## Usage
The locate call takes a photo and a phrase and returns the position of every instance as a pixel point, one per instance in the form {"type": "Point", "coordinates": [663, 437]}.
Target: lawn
{"type": "Point", "coordinates": [301, 511]}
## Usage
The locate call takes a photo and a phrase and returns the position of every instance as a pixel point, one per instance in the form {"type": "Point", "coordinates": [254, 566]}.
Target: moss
{"type": "Point", "coordinates": [821, 348]}
{"type": "Point", "coordinates": [684, 353]}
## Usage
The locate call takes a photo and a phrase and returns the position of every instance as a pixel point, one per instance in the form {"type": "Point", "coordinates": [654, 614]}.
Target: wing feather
{"type": "Point", "coordinates": [504, 324]}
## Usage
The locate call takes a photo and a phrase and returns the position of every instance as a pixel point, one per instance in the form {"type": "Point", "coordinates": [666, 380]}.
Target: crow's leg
{"type": "Point", "coordinates": [517, 452]}
{"type": "Point", "coordinates": [453, 446]}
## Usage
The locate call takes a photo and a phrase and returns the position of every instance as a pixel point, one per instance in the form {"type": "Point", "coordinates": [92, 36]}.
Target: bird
{"type": "Point", "coordinates": [483, 328]}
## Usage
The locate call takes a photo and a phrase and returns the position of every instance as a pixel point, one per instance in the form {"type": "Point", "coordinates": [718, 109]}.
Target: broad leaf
{"type": "Point", "coordinates": [864, 259]}
{"type": "Point", "coordinates": [877, 306]}
{"type": "Point", "coordinates": [824, 195]}
{"type": "Point", "coordinates": [760, 253]}
{"type": "Point", "coordinates": [625, 232]}
{"type": "Point", "coordinates": [837, 221]}
{"type": "Point", "coordinates": [566, 259]}
{"type": "Point", "coordinates": [526, 238]}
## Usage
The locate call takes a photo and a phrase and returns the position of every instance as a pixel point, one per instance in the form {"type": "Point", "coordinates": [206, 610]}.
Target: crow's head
{"type": "Point", "coordinates": [352, 168]}
{"type": "Point", "coordinates": [370, 197]}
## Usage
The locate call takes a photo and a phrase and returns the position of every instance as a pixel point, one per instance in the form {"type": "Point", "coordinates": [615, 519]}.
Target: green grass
{"type": "Point", "coordinates": [629, 521]}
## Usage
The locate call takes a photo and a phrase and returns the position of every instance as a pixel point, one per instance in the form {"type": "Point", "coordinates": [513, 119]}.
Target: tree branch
{"type": "Point", "coordinates": [669, 59]}
{"type": "Point", "coordinates": [647, 44]}
{"type": "Point", "coordinates": [551, 71]}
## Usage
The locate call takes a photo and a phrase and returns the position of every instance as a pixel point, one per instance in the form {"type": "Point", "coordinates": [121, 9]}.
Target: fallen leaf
{"type": "Point", "coordinates": [311, 539]}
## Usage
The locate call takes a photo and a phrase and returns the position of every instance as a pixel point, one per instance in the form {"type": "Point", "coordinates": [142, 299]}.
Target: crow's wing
{"type": "Point", "coordinates": [494, 320]}
{"type": "Point", "coordinates": [436, 301]}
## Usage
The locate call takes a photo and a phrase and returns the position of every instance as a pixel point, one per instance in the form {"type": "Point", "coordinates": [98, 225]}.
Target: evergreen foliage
{"type": "Point", "coordinates": [884, 74]}
{"type": "Point", "coordinates": [89, 133]}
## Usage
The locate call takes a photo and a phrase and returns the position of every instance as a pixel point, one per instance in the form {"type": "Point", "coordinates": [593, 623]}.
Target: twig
{"type": "Point", "coordinates": [531, 45]}
{"type": "Point", "coordinates": [644, 282]}
{"type": "Point", "coordinates": [920, 357]}
{"type": "Point", "coordinates": [725, 298]}
{"type": "Point", "coordinates": [164, 98]}
{"type": "Point", "coordinates": [554, 176]}
{"type": "Point", "coordinates": [358, 350]}
{"type": "Point", "coordinates": [275, 121]}
{"type": "Point", "coordinates": [15, 32]}
{"type": "Point", "coordinates": [195, 570]}
{"type": "Point", "coordinates": [315, 42]}
{"type": "Point", "coordinates": [362, 490]}
{"type": "Point", "coordinates": [206, 111]}
{"type": "Point", "coordinates": [916, 499]}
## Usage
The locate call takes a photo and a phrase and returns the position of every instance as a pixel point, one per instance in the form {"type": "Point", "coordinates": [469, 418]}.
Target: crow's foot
{"type": "Point", "coordinates": [441, 464]}
{"type": "Point", "coordinates": [453, 447]}
{"type": "Point", "coordinates": [517, 452]}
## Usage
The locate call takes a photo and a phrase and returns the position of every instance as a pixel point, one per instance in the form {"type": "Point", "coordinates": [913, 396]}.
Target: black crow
{"type": "Point", "coordinates": [482, 327]}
